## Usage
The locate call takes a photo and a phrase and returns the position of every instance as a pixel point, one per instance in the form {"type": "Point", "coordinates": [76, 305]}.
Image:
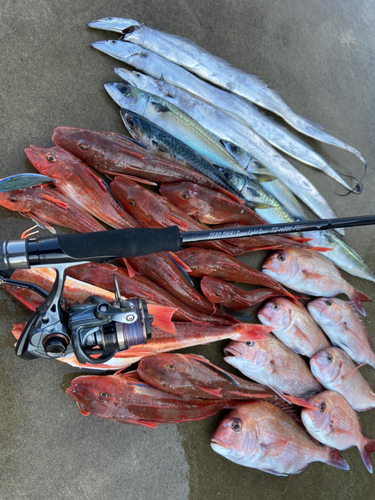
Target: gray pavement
{"type": "Point", "coordinates": [320, 57]}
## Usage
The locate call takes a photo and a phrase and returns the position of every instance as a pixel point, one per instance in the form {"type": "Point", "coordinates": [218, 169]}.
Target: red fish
{"type": "Point", "coordinates": [207, 205]}
{"type": "Point", "coordinates": [193, 376]}
{"type": "Point", "coordinates": [129, 400]}
{"type": "Point", "coordinates": [102, 275]}
{"type": "Point", "coordinates": [79, 183]}
{"type": "Point", "coordinates": [232, 296]}
{"type": "Point", "coordinates": [115, 154]}
{"type": "Point", "coordinates": [334, 423]}
{"type": "Point", "coordinates": [213, 263]}
{"type": "Point", "coordinates": [47, 206]}
{"type": "Point", "coordinates": [261, 436]}
{"type": "Point", "coordinates": [309, 272]}
{"type": "Point", "coordinates": [152, 210]}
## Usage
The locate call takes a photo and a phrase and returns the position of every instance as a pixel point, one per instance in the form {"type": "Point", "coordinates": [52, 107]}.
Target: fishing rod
{"type": "Point", "coordinates": [95, 330]}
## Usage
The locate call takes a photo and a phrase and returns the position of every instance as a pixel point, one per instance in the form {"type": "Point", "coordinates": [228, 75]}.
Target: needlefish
{"type": "Point", "coordinates": [186, 53]}
{"type": "Point", "coordinates": [225, 127]}
{"type": "Point", "coordinates": [240, 108]}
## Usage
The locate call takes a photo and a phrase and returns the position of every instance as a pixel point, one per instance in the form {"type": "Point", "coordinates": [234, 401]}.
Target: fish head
{"type": "Point", "coordinates": [240, 155]}
{"type": "Point", "coordinates": [213, 289]}
{"type": "Point", "coordinates": [276, 313]}
{"type": "Point", "coordinates": [236, 436]}
{"type": "Point", "coordinates": [128, 97]}
{"type": "Point", "coordinates": [20, 200]}
{"type": "Point", "coordinates": [326, 311]}
{"type": "Point", "coordinates": [250, 353]}
{"type": "Point", "coordinates": [116, 24]}
{"type": "Point", "coordinates": [318, 420]}
{"type": "Point", "coordinates": [282, 263]}
{"type": "Point", "coordinates": [94, 394]}
{"type": "Point", "coordinates": [180, 194]}
{"type": "Point", "coordinates": [80, 142]}
{"type": "Point", "coordinates": [165, 371]}
{"type": "Point", "coordinates": [51, 161]}
{"type": "Point", "coordinates": [132, 196]}
{"type": "Point", "coordinates": [237, 180]}
{"type": "Point", "coordinates": [326, 365]}
{"type": "Point", "coordinates": [143, 82]}
{"type": "Point", "coordinates": [138, 127]}
{"type": "Point", "coordinates": [118, 49]}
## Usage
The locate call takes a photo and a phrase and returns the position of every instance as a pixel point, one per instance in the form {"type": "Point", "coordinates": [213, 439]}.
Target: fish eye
{"type": "Point", "coordinates": [235, 149]}
{"type": "Point", "coordinates": [138, 75]}
{"type": "Point", "coordinates": [193, 268]}
{"type": "Point", "coordinates": [322, 407]}
{"type": "Point", "coordinates": [163, 384]}
{"type": "Point", "coordinates": [217, 294]}
{"type": "Point", "coordinates": [185, 196]}
{"type": "Point", "coordinates": [124, 89]}
{"type": "Point", "coordinates": [281, 257]}
{"type": "Point", "coordinates": [227, 174]}
{"type": "Point", "coordinates": [236, 425]}
{"type": "Point", "coordinates": [327, 302]}
{"type": "Point", "coordinates": [275, 306]}
{"type": "Point", "coordinates": [171, 367]}
{"type": "Point", "coordinates": [109, 18]}
{"type": "Point", "coordinates": [104, 395]}
{"type": "Point", "coordinates": [12, 200]}
{"type": "Point", "coordinates": [250, 343]}
{"type": "Point", "coordinates": [329, 358]}
{"type": "Point", "coordinates": [113, 42]}
{"type": "Point", "coordinates": [83, 146]}
{"type": "Point", "coordinates": [131, 202]}
{"type": "Point", "coordinates": [131, 122]}
{"type": "Point", "coordinates": [51, 158]}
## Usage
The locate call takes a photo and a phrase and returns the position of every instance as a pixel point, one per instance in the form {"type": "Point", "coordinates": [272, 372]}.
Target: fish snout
{"type": "Point", "coordinates": [231, 351]}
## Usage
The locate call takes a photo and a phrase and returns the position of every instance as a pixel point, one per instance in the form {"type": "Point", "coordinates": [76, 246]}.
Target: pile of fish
{"type": "Point", "coordinates": [199, 157]}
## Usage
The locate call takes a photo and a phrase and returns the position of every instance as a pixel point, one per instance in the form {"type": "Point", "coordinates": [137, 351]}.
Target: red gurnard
{"type": "Point", "coordinates": [261, 436]}
{"type": "Point", "coordinates": [115, 154]}
{"type": "Point", "coordinates": [207, 205]}
{"type": "Point", "coordinates": [152, 210]}
{"type": "Point", "coordinates": [138, 286]}
{"type": "Point", "coordinates": [126, 399]}
{"type": "Point", "coordinates": [192, 376]}
{"type": "Point", "coordinates": [219, 265]}
{"type": "Point", "coordinates": [47, 206]}
{"type": "Point", "coordinates": [232, 296]}
{"type": "Point", "coordinates": [79, 183]}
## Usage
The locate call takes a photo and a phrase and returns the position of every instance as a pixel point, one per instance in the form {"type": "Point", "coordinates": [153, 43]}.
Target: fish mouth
{"type": "Point", "coordinates": [231, 351]}
{"type": "Point", "coordinates": [116, 24]}
{"type": "Point", "coordinates": [83, 410]}
{"type": "Point", "coordinates": [219, 442]}
{"type": "Point", "coordinates": [265, 316]}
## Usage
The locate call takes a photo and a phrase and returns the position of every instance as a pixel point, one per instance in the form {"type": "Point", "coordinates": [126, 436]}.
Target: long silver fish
{"type": "Point", "coordinates": [342, 254]}
{"type": "Point", "coordinates": [186, 53]}
{"type": "Point", "coordinates": [275, 187]}
{"type": "Point", "coordinates": [162, 69]}
{"type": "Point", "coordinates": [225, 127]}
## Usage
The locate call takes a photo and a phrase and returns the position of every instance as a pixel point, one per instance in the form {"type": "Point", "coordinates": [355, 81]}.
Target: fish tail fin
{"type": "Point", "coordinates": [365, 451]}
{"type": "Point", "coordinates": [162, 317]}
{"type": "Point", "coordinates": [337, 460]}
{"type": "Point", "coordinates": [357, 297]}
{"type": "Point", "coordinates": [245, 332]}
{"type": "Point", "coordinates": [131, 271]}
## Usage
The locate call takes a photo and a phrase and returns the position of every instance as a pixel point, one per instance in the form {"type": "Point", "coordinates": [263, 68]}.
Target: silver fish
{"type": "Point", "coordinates": [186, 53]}
{"type": "Point", "coordinates": [225, 127]}
{"type": "Point", "coordinates": [173, 120]}
{"type": "Point", "coordinates": [162, 69]}
{"type": "Point", "coordinates": [342, 254]}
{"type": "Point", "coordinates": [336, 371]}
{"type": "Point", "coordinates": [342, 325]}
{"type": "Point", "coordinates": [275, 187]}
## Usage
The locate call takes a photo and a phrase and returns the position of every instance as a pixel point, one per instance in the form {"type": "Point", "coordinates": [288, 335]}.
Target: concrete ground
{"type": "Point", "coordinates": [320, 57]}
